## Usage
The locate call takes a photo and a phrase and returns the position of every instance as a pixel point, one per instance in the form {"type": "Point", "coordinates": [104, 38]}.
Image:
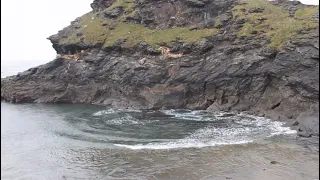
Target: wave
{"type": "Point", "coordinates": [127, 119]}
{"type": "Point", "coordinates": [113, 111]}
{"type": "Point", "coordinates": [222, 128]}
{"type": "Point", "coordinates": [104, 112]}
{"type": "Point", "coordinates": [246, 129]}
{"type": "Point", "coordinates": [201, 138]}
{"type": "Point", "coordinates": [190, 115]}
{"type": "Point", "coordinates": [177, 145]}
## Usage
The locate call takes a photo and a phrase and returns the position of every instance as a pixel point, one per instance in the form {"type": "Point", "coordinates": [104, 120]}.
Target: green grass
{"type": "Point", "coordinates": [306, 13]}
{"type": "Point", "coordinates": [134, 34]}
{"type": "Point", "coordinates": [246, 30]}
{"type": "Point", "coordinates": [279, 26]}
{"type": "Point", "coordinates": [94, 33]}
{"type": "Point", "coordinates": [218, 20]}
{"type": "Point", "coordinates": [92, 30]}
{"type": "Point", "coordinates": [126, 4]}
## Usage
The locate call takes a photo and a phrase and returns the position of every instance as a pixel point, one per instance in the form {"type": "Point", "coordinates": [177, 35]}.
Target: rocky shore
{"type": "Point", "coordinates": [229, 55]}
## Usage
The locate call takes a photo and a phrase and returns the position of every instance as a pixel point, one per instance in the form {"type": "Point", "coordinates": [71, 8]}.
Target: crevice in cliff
{"type": "Point", "coordinates": [208, 103]}
{"type": "Point", "coordinates": [205, 86]}
{"type": "Point", "coordinates": [276, 105]}
{"type": "Point", "coordinates": [74, 56]}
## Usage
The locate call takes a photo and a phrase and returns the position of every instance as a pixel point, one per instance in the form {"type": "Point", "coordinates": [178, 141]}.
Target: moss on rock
{"type": "Point", "coordinates": [273, 21]}
{"type": "Point", "coordinates": [99, 30]}
{"type": "Point", "coordinates": [306, 13]}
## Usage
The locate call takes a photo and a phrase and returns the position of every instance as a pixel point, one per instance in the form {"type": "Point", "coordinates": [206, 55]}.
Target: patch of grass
{"type": "Point", "coordinates": [95, 33]}
{"type": "Point", "coordinates": [134, 33]}
{"type": "Point", "coordinates": [126, 4]}
{"type": "Point", "coordinates": [219, 19]}
{"type": "Point", "coordinates": [288, 31]}
{"type": "Point", "coordinates": [278, 26]}
{"type": "Point", "coordinates": [71, 39]}
{"type": "Point", "coordinates": [92, 30]}
{"type": "Point", "coordinates": [246, 30]}
{"type": "Point", "coordinates": [130, 14]}
{"type": "Point", "coordinates": [306, 13]}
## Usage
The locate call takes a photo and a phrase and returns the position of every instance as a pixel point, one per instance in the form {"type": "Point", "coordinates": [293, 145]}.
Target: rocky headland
{"type": "Point", "coordinates": [255, 56]}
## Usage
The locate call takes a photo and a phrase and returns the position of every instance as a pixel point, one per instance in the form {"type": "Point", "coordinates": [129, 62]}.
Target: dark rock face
{"type": "Point", "coordinates": [230, 77]}
{"type": "Point", "coordinates": [222, 72]}
{"type": "Point", "coordinates": [114, 13]}
{"type": "Point", "coordinates": [256, 10]}
{"type": "Point", "coordinates": [99, 5]}
{"type": "Point", "coordinates": [181, 13]}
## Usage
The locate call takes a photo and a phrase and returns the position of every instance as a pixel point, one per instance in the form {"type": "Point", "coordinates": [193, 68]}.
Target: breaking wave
{"type": "Point", "coordinates": [238, 129]}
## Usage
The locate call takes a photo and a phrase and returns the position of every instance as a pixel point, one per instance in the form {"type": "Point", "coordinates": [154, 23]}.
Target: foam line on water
{"type": "Point", "coordinates": [177, 145]}
{"type": "Point", "coordinates": [113, 111]}
{"type": "Point", "coordinates": [104, 112]}
{"type": "Point", "coordinates": [188, 115]}
{"type": "Point", "coordinates": [124, 120]}
{"type": "Point", "coordinates": [252, 128]}
{"type": "Point", "coordinates": [200, 138]}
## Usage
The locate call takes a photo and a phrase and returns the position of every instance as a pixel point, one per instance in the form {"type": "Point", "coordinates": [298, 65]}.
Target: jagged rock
{"type": "Point", "coordinates": [241, 21]}
{"type": "Point", "coordinates": [296, 2]}
{"type": "Point", "coordinates": [142, 61]}
{"type": "Point", "coordinates": [262, 19]}
{"type": "Point", "coordinates": [256, 10]}
{"type": "Point", "coordinates": [113, 13]}
{"type": "Point", "coordinates": [99, 5]}
{"type": "Point", "coordinates": [195, 3]}
{"type": "Point", "coordinates": [254, 32]}
{"type": "Point", "coordinates": [152, 51]}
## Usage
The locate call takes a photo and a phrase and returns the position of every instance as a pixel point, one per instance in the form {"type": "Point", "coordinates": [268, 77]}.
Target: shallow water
{"type": "Point", "coordinates": [92, 142]}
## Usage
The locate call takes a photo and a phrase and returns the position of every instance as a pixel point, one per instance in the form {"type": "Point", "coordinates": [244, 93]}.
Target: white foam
{"type": "Point", "coordinates": [188, 115]}
{"type": "Point", "coordinates": [104, 112]}
{"type": "Point", "coordinates": [113, 111]}
{"type": "Point", "coordinates": [205, 137]}
{"type": "Point", "coordinates": [276, 127]}
{"type": "Point", "coordinates": [177, 145]}
{"type": "Point", "coordinates": [279, 129]}
{"type": "Point", "coordinates": [251, 128]}
{"type": "Point", "coordinates": [124, 120]}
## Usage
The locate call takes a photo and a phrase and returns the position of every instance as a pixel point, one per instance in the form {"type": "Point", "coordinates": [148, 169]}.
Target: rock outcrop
{"type": "Point", "coordinates": [229, 55]}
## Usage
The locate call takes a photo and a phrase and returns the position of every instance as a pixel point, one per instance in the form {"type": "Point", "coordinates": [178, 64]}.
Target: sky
{"type": "Point", "coordinates": [25, 25]}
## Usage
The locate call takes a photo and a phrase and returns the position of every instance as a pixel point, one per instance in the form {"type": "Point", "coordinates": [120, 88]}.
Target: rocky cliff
{"type": "Point", "coordinates": [230, 55]}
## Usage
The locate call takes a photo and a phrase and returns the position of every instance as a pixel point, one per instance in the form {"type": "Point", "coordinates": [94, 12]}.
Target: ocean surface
{"type": "Point", "coordinates": [53, 142]}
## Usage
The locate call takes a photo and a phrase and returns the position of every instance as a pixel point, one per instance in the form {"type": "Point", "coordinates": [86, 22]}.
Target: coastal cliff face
{"type": "Point", "coordinates": [230, 55]}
